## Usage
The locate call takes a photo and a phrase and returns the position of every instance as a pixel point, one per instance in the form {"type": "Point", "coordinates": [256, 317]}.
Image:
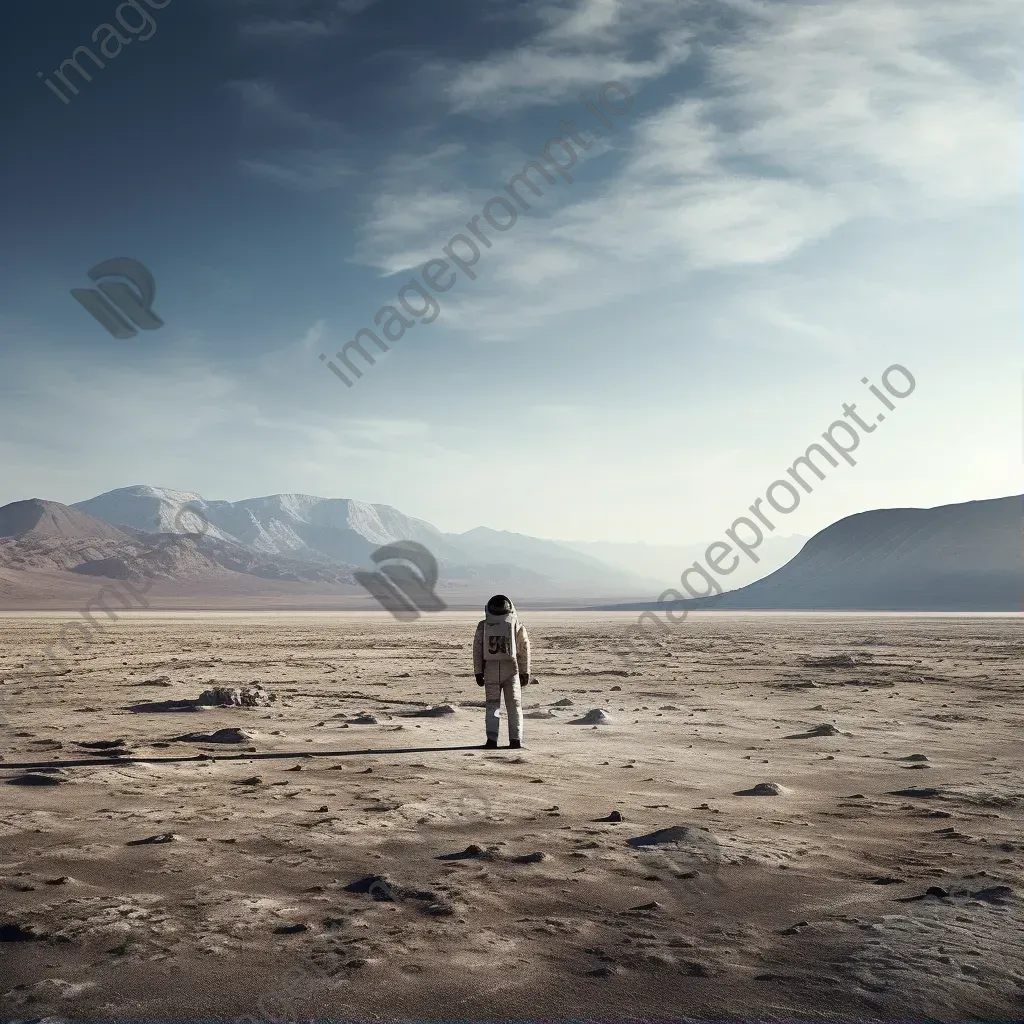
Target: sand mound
{"type": "Point", "coordinates": [675, 835]}
{"type": "Point", "coordinates": [685, 850]}
{"type": "Point", "coordinates": [596, 717]}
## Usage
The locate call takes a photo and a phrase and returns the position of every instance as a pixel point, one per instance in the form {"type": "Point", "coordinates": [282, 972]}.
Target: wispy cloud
{"type": "Point", "coordinates": [312, 336]}
{"type": "Point", "coordinates": [807, 118]}
{"type": "Point", "coordinates": [301, 21]}
{"type": "Point", "coordinates": [305, 170]}
{"type": "Point", "coordinates": [276, 30]}
{"type": "Point", "coordinates": [265, 99]}
{"type": "Point", "coordinates": [581, 45]}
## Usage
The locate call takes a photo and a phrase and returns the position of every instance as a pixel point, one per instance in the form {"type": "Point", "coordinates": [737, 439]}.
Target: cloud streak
{"type": "Point", "coordinates": [806, 119]}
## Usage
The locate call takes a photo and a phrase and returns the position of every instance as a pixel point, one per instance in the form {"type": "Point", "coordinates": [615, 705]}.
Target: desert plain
{"type": "Point", "coordinates": [790, 817]}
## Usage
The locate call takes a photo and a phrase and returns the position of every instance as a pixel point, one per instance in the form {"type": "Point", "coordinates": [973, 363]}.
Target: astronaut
{"type": "Point", "coordinates": [501, 661]}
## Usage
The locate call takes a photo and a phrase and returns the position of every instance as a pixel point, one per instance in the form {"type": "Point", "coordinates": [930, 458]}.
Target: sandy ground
{"type": "Point", "coordinates": [882, 881]}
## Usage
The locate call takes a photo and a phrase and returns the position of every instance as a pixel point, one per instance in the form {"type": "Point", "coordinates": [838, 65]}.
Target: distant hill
{"type": "Point", "coordinates": [49, 519]}
{"type": "Point", "coordinates": [962, 557]}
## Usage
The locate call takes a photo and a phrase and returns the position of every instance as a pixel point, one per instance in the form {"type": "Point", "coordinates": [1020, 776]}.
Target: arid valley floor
{"type": "Point", "coordinates": [169, 878]}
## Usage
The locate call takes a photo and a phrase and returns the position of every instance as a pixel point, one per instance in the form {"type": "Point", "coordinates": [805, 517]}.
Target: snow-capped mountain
{"type": "Point", "coordinates": [343, 531]}
{"type": "Point", "coordinates": [338, 529]}
{"type": "Point", "coordinates": [151, 510]}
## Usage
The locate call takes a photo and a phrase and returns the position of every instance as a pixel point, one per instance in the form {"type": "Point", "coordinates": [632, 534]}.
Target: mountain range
{"type": "Point", "coordinates": [303, 551]}
{"type": "Point", "coordinates": [296, 549]}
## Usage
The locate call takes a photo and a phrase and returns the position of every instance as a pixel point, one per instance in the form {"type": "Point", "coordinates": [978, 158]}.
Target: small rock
{"type": "Point", "coordinates": [698, 970]}
{"type": "Point", "coordinates": [819, 730]}
{"type": "Point", "coordinates": [598, 716]}
{"type": "Point", "coordinates": [439, 711]}
{"type": "Point", "coordinates": [440, 908]}
{"type": "Point", "coordinates": [163, 837]}
{"type": "Point", "coordinates": [762, 789]}
{"type": "Point", "coordinates": [236, 697]}
{"type": "Point", "coordinates": [377, 886]}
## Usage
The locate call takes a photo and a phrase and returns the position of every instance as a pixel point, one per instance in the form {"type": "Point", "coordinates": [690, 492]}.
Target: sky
{"type": "Point", "coordinates": [785, 198]}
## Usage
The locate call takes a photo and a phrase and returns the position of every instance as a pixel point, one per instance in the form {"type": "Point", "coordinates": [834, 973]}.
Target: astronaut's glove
{"type": "Point", "coordinates": [479, 679]}
{"type": "Point", "coordinates": [524, 678]}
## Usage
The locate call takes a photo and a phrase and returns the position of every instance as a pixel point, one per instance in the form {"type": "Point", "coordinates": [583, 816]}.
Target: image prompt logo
{"type": "Point", "coordinates": [400, 589]}
{"type": "Point", "coordinates": [120, 305]}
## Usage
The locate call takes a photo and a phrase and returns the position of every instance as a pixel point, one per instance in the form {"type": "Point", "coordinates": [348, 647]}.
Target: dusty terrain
{"type": "Point", "coordinates": [880, 878]}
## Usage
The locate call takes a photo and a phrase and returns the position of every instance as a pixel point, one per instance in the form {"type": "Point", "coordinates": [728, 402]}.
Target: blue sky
{"type": "Point", "coordinates": [801, 195]}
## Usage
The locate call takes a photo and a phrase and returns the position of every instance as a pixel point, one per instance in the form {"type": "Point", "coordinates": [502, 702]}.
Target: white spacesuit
{"type": "Point", "coordinates": [501, 661]}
